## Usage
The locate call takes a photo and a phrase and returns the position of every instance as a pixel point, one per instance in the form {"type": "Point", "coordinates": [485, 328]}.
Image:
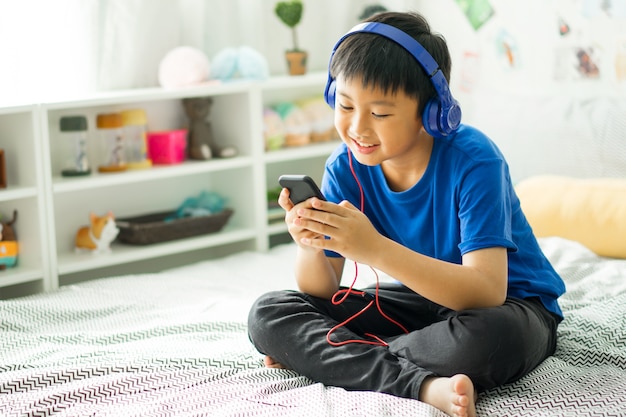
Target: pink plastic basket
{"type": "Point", "coordinates": [167, 147]}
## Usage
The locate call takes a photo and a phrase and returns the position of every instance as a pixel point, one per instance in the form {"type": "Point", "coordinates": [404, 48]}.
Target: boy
{"type": "Point", "coordinates": [428, 201]}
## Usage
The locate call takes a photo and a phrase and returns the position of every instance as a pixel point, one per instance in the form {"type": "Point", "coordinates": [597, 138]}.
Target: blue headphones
{"type": "Point", "coordinates": [442, 115]}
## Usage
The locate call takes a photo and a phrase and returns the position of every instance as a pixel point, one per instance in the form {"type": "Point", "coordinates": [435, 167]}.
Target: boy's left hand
{"type": "Point", "coordinates": [351, 233]}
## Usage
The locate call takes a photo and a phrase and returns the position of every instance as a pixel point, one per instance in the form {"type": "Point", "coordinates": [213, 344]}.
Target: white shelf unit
{"type": "Point", "coordinates": [20, 141]}
{"type": "Point", "coordinates": [52, 208]}
{"type": "Point", "coordinates": [294, 160]}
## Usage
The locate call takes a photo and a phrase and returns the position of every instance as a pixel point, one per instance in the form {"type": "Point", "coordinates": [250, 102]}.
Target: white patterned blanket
{"type": "Point", "coordinates": [175, 343]}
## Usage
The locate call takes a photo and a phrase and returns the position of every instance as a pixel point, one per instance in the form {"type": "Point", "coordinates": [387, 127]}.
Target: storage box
{"type": "Point", "coordinates": [152, 228]}
{"type": "Point", "coordinates": [167, 147]}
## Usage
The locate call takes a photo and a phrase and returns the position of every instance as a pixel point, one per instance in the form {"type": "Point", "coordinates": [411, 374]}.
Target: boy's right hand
{"type": "Point", "coordinates": [291, 210]}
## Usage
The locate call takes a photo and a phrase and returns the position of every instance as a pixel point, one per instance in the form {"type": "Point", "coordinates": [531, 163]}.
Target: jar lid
{"type": "Point", "coordinates": [134, 117]}
{"type": "Point", "coordinates": [109, 121]}
{"type": "Point", "coordinates": [73, 123]}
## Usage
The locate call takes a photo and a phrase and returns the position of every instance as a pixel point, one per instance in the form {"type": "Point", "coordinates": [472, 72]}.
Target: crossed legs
{"type": "Point", "coordinates": [442, 361]}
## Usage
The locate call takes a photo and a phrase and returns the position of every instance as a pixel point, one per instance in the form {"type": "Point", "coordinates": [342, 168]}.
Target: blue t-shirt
{"type": "Point", "coordinates": [465, 201]}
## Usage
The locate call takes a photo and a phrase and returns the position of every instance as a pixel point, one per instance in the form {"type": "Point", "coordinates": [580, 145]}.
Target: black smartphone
{"type": "Point", "coordinates": [301, 187]}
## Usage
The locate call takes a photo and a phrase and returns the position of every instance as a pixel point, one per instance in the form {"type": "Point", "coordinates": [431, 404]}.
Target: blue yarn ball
{"type": "Point", "coordinates": [243, 62]}
{"type": "Point", "coordinates": [252, 64]}
{"type": "Point", "coordinates": [224, 64]}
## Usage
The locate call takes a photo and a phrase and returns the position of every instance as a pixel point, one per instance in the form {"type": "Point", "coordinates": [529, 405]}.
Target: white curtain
{"type": "Point", "coordinates": [55, 49]}
{"type": "Point", "coordinates": [46, 49]}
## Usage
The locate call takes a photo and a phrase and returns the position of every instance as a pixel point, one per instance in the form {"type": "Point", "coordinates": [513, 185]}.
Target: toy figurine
{"type": "Point", "coordinates": [97, 237]}
{"type": "Point", "coordinates": [8, 244]}
{"type": "Point", "coordinates": [200, 141]}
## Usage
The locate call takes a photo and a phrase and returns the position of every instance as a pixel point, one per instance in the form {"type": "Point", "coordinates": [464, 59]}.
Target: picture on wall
{"type": "Point", "coordinates": [478, 12]}
{"type": "Point", "coordinates": [576, 63]}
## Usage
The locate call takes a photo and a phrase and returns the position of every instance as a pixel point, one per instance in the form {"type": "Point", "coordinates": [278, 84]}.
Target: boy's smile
{"type": "Point", "coordinates": [364, 148]}
{"type": "Point", "coordinates": [383, 129]}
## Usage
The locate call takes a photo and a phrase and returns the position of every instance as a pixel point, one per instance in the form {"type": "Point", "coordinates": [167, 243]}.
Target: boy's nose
{"type": "Point", "coordinates": [358, 126]}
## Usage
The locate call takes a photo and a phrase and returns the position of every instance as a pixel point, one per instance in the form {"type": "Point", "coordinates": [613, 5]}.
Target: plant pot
{"type": "Point", "coordinates": [296, 62]}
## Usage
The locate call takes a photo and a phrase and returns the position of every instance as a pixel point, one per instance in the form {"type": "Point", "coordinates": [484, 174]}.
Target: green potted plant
{"type": "Point", "coordinates": [290, 13]}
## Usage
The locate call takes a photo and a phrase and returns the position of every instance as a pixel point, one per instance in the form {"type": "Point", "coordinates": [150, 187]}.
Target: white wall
{"type": "Point", "coordinates": [545, 116]}
{"type": "Point", "coordinates": [544, 60]}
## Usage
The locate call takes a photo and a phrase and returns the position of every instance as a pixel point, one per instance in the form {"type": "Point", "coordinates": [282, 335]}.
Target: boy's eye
{"type": "Point", "coordinates": [344, 107]}
{"type": "Point", "coordinates": [379, 116]}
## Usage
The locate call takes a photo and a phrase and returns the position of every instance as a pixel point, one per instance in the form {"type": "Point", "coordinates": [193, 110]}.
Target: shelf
{"type": "Point", "coordinates": [19, 275]}
{"type": "Point", "coordinates": [313, 79]}
{"type": "Point", "coordinates": [123, 97]}
{"type": "Point", "coordinates": [276, 228]}
{"type": "Point", "coordinates": [56, 206]}
{"type": "Point", "coordinates": [15, 193]}
{"type": "Point", "coordinates": [16, 108]}
{"type": "Point", "coordinates": [157, 172]}
{"type": "Point", "coordinates": [123, 253]}
{"type": "Point", "coordinates": [301, 152]}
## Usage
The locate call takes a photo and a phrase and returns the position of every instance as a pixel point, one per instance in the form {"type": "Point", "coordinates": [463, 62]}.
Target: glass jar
{"type": "Point", "coordinates": [135, 128]}
{"type": "Point", "coordinates": [74, 132]}
{"type": "Point", "coordinates": [112, 158]}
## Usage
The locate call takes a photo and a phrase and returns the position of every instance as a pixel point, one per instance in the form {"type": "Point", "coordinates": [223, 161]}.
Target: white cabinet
{"type": "Point", "coordinates": [24, 193]}
{"type": "Point", "coordinates": [52, 207]}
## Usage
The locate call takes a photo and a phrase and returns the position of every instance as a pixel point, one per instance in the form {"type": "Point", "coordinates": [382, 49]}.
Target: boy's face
{"type": "Point", "coordinates": [378, 128]}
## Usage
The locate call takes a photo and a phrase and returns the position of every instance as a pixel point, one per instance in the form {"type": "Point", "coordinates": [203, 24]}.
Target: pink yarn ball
{"type": "Point", "coordinates": [184, 66]}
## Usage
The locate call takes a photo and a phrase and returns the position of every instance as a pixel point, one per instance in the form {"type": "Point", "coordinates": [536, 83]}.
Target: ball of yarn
{"type": "Point", "coordinates": [184, 66]}
{"type": "Point", "coordinates": [243, 62]}
{"type": "Point", "coordinates": [225, 64]}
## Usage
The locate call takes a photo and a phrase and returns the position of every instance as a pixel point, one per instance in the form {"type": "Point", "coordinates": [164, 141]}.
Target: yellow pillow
{"type": "Point", "coordinates": [589, 211]}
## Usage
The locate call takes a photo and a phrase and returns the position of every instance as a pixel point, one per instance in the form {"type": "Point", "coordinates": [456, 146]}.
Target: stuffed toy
{"type": "Point", "coordinates": [184, 66]}
{"type": "Point", "coordinates": [98, 235]}
{"type": "Point", "coordinates": [204, 204]}
{"type": "Point", "coordinates": [321, 119]}
{"type": "Point", "coordinates": [9, 247]}
{"type": "Point", "coordinates": [200, 141]}
{"type": "Point", "coordinates": [273, 130]}
{"type": "Point", "coordinates": [243, 62]}
{"type": "Point", "coordinates": [297, 125]}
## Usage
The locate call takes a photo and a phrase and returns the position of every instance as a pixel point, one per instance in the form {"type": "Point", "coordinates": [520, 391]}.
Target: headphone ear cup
{"type": "Point", "coordinates": [329, 93]}
{"type": "Point", "coordinates": [430, 118]}
{"type": "Point", "coordinates": [438, 121]}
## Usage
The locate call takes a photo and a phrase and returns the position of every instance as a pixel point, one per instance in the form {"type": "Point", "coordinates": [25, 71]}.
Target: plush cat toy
{"type": "Point", "coordinates": [97, 237]}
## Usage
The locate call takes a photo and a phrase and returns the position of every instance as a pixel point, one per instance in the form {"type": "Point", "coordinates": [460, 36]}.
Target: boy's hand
{"type": "Point", "coordinates": [296, 230]}
{"type": "Point", "coordinates": [351, 233]}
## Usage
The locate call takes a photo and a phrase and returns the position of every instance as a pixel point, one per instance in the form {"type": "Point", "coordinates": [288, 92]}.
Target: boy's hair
{"type": "Point", "coordinates": [382, 63]}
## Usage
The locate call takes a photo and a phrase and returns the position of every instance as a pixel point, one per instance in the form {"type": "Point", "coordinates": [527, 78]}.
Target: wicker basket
{"type": "Point", "coordinates": [151, 228]}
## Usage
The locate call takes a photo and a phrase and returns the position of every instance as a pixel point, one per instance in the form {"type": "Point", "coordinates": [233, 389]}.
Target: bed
{"type": "Point", "coordinates": [174, 343]}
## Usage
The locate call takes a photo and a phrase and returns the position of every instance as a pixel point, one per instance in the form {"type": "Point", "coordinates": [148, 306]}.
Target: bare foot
{"type": "Point", "coordinates": [454, 396]}
{"type": "Point", "coordinates": [269, 362]}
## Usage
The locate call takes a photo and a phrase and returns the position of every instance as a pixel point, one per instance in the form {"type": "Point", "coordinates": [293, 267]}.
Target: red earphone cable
{"type": "Point", "coordinates": [344, 293]}
{"type": "Point", "coordinates": [362, 195]}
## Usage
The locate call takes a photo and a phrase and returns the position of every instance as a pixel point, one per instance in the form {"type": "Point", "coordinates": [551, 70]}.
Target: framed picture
{"type": "Point", "coordinates": [3, 170]}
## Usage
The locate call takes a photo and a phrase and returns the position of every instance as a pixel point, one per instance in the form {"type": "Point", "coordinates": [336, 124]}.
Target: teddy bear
{"type": "Point", "coordinates": [200, 141]}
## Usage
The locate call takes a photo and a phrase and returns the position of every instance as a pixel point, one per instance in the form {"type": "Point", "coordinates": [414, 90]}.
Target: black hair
{"type": "Point", "coordinates": [381, 62]}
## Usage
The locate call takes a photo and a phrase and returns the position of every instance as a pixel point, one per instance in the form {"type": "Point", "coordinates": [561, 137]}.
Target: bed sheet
{"type": "Point", "coordinates": [174, 343]}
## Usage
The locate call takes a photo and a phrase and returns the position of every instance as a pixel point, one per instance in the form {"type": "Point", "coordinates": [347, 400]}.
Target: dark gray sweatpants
{"type": "Point", "coordinates": [492, 346]}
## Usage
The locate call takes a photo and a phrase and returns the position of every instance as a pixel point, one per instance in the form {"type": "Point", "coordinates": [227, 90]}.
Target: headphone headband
{"type": "Point", "coordinates": [441, 116]}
